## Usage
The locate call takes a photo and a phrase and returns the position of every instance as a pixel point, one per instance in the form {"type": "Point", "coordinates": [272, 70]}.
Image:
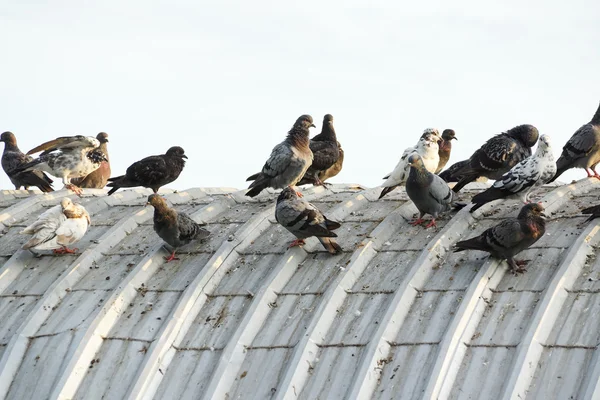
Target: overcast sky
{"type": "Point", "coordinates": [226, 80]}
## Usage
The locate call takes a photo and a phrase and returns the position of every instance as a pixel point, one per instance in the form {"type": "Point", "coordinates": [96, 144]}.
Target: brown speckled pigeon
{"type": "Point", "coordinates": [304, 220]}
{"type": "Point", "coordinates": [582, 150]}
{"type": "Point", "coordinates": [288, 161]}
{"type": "Point", "coordinates": [13, 158]}
{"type": "Point", "coordinates": [151, 172]}
{"type": "Point", "coordinates": [510, 237]}
{"type": "Point", "coordinates": [175, 228]}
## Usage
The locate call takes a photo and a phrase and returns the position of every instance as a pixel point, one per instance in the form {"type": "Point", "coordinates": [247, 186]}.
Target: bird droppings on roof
{"type": "Point", "coordinates": [395, 315]}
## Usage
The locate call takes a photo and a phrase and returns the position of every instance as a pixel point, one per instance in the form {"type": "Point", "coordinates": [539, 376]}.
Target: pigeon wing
{"type": "Point", "coordinates": [325, 154]}
{"type": "Point", "coordinates": [189, 229]}
{"type": "Point", "coordinates": [582, 143]}
{"type": "Point", "coordinates": [66, 142]}
{"type": "Point", "coordinates": [148, 171]}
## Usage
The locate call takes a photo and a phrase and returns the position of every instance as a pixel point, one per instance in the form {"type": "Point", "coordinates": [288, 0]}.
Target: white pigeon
{"type": "Point", "coordinates": [58, 227]}
{"type": "Point", "coordinates": [533, 171]}
{"type": "Point", "coordinates": [67, 157]}
{"type": "Point", "coordinates": [427, 147]}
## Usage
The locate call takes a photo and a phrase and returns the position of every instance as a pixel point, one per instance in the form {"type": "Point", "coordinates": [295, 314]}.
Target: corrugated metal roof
{"type": "Point", "coordinates": [396, 315]}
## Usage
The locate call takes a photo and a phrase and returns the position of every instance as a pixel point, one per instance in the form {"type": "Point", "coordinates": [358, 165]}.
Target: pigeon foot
{"type": "Point", "coordinates": [297, 242]}
{"type": "Point", "coordinates": [417, 221]}
{"type": "Point", "coordinates": [432, 223]}
{"type": "Point", "coordinates": [171, 257]}
{"type": "Point", "coordinates": [76, 189]}
{"type": "Point", "coordinates": [64, 250]}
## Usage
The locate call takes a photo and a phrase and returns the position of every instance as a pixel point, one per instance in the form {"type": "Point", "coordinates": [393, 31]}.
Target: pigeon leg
{"type": "Point", "coordinates": [595, 173]}
{"type": "Point", "coordinates": [588, 173]}
{"type": "Point", "coordinates": [297, 242]}
{"type": "Point", "coordinates": [171, 257]}
{"type": "Point", "coordinates": [432, 223]}
{"type": "Point", "coordinates": [417, 221]}
{"type": "Point", "coordinates": [517, 267]}
{"type": "Point", "coordinates": [64, 250]}
{"type": "Point", "coordinates": [76, 189]}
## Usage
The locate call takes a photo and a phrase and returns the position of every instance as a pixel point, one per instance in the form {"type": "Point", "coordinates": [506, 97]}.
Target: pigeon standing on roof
{"type": "Point", "coordinates": [445, 147]}
{"type": "Point", "coordinates": [304, 220]}
{"type": "Point", "coordinates": [151, 172]}
{"type": "Point", "coordinates": [427, 148]}
{"type": "Point", "coordinates": [13, 158]}
{"type": "Point", "coordinates": [58, 227]}
{"type": "Point", "coordinates": [430, 193]}
{"type": "Point", "coordinates": [288, 161]}
{"type": "Point", "coordinates": [582, 150]}
{"type": "Point", "coordinates": [523, 177]}
{"type": "Point", "coordinates": [175, 228]}
{"type": "Point", "coordinates": [510, 237]}
{"type": "Point", "coordinates": [498, 155]}
{"type": "Point", "coordinates": [67, 157]}
{"type": "Point", "coordinates": [326, 153]}
{"type": "Point", "coordinates": [98, 178]}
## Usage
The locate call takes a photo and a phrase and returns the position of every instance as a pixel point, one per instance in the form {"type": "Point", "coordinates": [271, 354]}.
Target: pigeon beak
{"type": "Point", "coordinates": [544, 215]}
{"type": "Point", "coordinates": [184, 156]}
{"type": "Point", "coordinates": [313, 125]}
{"type": "Point", "coordinates": [455, 138]}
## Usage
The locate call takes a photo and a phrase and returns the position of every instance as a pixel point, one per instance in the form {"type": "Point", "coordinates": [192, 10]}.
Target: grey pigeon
{"type": "Point", "coordinates": [288, 162]}
{"type": "Point", "coordinates": [175, 228]}
{"type": "Point", "coordinates": [445, 148]}
{"type": "Point", "coordinates": [510, 237]}
{"type": "Point", "coordinates": [67, 157]}
{"type": "Point", "coordinates": [151, 172]}
{"type": "Point", "coordinates": [429, 192]}
{"type": "Point", "coordinates": [523, 177]}
{"type": "Point", "coordinates": [326, 153]}
{"type": "Point", "coordinates": [304, 220]}
{"type": "Point", "coordinates": [13, 158]}
{"type": "Point", "coordinates": [498, 155]}
{"type": "Point", "coordinates": [98, 178]}
{"type": "Point", "coordinates": [582, 150]}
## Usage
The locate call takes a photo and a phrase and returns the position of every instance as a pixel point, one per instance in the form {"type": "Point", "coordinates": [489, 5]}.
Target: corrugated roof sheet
{"type": "Point", "coordinates": [396, 315]}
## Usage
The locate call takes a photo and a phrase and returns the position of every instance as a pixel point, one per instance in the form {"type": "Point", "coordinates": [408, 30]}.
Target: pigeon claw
{"type": "Point", "coordinates": [171, 257]}
{"type": "Point", "coordinates": [297, 242]}
{"type": "Point", "coordinates": [417, 221]}
{"type": "Point", "coordinates": [64, 250]}
{"type": "Point", "coordinates": [521, 263]}
{"type": "Point", "coordinates": [76, 189]}
{"type": "Point", "coordinates": [432, 223]}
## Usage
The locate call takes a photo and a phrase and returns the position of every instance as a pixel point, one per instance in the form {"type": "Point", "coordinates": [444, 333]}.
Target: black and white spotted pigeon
{"type": "Point", "coordinates": [510, 237]}
{"type": "Point", "coordinates": [445, 148]}
{"type": "Point", "coordinates": [582, 150]}
{"type": "Point", "coordinates": [498, 155]}
{"type": "Point", "coordinates": [175, 228]}
{"type": "Point", "coordinates": [430, 193]}
{"type": "Point", "coordinates": [67, 157]}
{"type": "Point", "coordinates": [304, 220]}
{"type": "Point", "coordinates": [151, 172]}
{"type": "Point", "coordinates": [288, 162]}
{"type": "Point", "coordinates": [97, 179]}
{"type": "Point", "coordinates": [326, 153]}
{"type": "Point", "coordinates": [13, 158]}
{"type": "Point", "coordinates": [523, 177]}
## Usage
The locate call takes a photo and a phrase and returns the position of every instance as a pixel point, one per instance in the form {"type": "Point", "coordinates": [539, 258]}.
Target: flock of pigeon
{"type": "Point", "coordinates": [82, 162]}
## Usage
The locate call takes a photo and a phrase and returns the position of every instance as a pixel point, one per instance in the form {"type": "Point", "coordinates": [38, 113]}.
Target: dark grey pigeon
{"type": "Point", "coordinates": [67, 157]}
{"type": "Point", "coordinates": [498, 155]}
{"type": "Point", "coordinates": [326, 153]}
{"type": "Point", "coordinates": [510, 237]}
{"type": "Point", "coordinates": [582, 150]}
{"type": "Point", "coordinates": [445, 148]}
{"type": "Point", "coordinates": [450, 173]}
{"type": "Point", "coordinates": [304, 220]}
{"type": "Point", "coordinates": [175, 228]}
{"type": "Point", "coordinates": [151, 172]}
{"type": "Point", "coordinates": [429, 192]}
{"type": "Point", "coordinates": [13, 158]}
{"type": "Point", "coordinates": [288, 162]}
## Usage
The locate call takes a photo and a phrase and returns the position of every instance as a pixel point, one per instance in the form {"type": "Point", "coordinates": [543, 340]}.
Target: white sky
{"type": "Point", "coordinates": [226, 79]}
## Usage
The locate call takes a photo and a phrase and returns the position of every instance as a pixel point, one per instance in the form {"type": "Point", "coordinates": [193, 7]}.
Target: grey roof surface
{"type": "Point", "coordinates": [396, 315]}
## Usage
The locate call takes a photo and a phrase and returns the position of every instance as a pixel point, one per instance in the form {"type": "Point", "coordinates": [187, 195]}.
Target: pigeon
{"type": "Point", "coordinates": [427, 148]}
{"type": "Point", "coordinates": [582, 150]}
{"type": "Point", "coordinates": [58, 227]}
{"type": "Point", "coordinates": [288, 162]}
{"type": "Point", "coordinates": [326, 153]}
{"type": "Point", "coordinates": [430, 193]}
{"type": "Point", "coordinates": [450, 173]}
{"type": "Point", "coordinates": [175, 228]}
{"type": "Point", "coordinates": [13, 158]}
{"type": "Point", "coordinates": [98, 178]}
{"type": "Point", "coordinates": [594, 211]}
{"type": "Point", "coordinates": [445, 147]}
{"type": "Point", "coordinates": [523, 177]}
{"type": "Point", "coordinates": [498, 155]}
{"type": "Point", "coordinates": [335, 168]}
{"type": "Point", "coordinates": [304, 220]}
{"type": "Point", "coordinates": [510, 236]}
{"type": "Point", "coordinates": [67, 157]}
{"type": "Point", "coordinates": [151, 172]}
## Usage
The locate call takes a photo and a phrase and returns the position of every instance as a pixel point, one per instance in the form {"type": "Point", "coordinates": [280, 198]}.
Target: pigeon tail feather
{"type": "Point", "coordinates": [330, 245]}
{"type": "Point", "coordinates": [386, 190]}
